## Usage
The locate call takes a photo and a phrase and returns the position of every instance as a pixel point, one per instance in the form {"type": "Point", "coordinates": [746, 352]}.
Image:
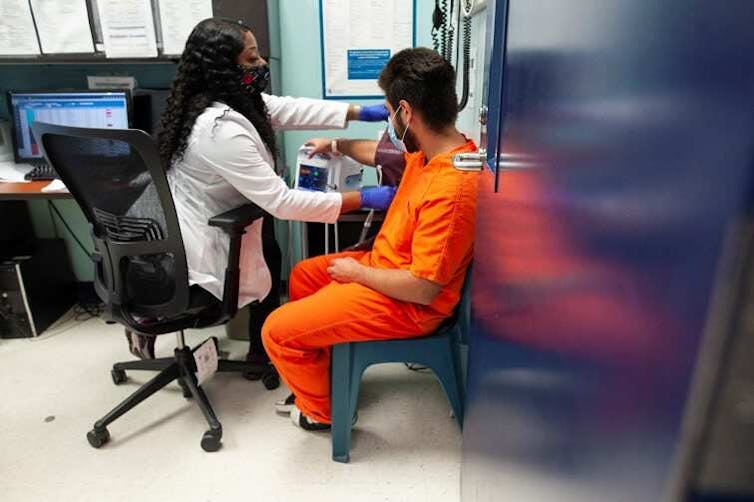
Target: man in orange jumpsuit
{"type": "Point", "coordinates": [411, 279]}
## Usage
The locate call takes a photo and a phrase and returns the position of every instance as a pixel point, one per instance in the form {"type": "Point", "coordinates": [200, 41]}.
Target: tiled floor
{"type": "Point", "coordinates": [406, 447]}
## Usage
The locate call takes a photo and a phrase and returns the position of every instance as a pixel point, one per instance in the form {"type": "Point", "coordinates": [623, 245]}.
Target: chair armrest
{"type": "Point", "coordinates": [237, 219]}
{"type": "Point", "coordinates": [234, 223]}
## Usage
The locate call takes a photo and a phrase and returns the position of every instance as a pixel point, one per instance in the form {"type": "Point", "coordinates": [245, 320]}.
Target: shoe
{"type": "Point", "coordinates": [256, 359]}
{"type": "Point", "coordinates": [142, 346]}
{"type": "Point", "coordinates": [285, 406]}
{"type": "Point", "coordinates": [306, 423]}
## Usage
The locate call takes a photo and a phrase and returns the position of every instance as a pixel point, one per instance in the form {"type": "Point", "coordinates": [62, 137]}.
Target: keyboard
{"type": "Point", "coordinates": [42, 172]}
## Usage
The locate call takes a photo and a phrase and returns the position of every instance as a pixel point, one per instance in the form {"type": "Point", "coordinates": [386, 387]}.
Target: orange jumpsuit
{"type": "Point", "coordinates": [428, 231]}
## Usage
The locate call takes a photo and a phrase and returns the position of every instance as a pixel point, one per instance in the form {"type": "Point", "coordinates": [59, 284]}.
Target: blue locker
{"type": "Point", "coordinates": [620, 153]}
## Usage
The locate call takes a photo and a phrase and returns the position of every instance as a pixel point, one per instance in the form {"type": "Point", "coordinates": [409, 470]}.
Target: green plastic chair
{"type": "Point", "coordinates": [439, 352]}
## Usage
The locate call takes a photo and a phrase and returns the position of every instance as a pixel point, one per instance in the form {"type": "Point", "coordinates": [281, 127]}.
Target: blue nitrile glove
{"type": "Point", "coordinates": [374, 113]}
{"type": "Point", "coordinates": [378, 198]}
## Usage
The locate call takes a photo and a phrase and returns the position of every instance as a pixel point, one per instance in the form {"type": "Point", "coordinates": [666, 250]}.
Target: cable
{"type": "Point", "coordinates": [451, 34]}
{"type": "Point", "coordinates": [437, 21]}
{"type": "Point", "coordinates": [84, 312]}
{"type": "Point", "coordinates": [468, 7]}
{"type": "Point", "coordinates": [370, 216]}
{"type": "Point", "coordinates": [457, 55]}
{"type": "Point", "coordinates": [65, 223]}
{"type": "Point", "coordinates": [443, 29]}
{"type": "Point", "coordinates": [52, 220]}
{"type": "Point", "coordinates": [337, 245]}
{"type": "Point", "coordinates": [327, 239]}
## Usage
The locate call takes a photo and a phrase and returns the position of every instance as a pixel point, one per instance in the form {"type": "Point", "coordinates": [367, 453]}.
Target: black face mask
{"type": "Point", "coordinates": [254, 78]}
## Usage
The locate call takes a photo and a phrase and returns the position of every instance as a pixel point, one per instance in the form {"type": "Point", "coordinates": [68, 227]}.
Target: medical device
{"type": "Point", "coordinates": [327, 173]}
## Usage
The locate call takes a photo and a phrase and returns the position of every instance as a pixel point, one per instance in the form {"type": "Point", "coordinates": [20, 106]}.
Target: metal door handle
{"type": "Point", "coordinates": [505, 162]}
{"type": "Point", "coordinates": [471, 161]}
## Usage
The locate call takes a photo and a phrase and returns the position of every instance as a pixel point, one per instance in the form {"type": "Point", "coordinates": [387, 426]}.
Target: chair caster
{"type": "Point", "coordinates": [211, 440]}
{"type": "Point", "coordinates": [98, 437]}
{"type": "Point", "coordinates": [271, 379]}
{"type": "Point", "coordinates": [119, 376]}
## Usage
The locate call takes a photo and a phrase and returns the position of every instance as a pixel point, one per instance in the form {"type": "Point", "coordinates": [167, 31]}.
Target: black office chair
{"type": "Point", "coordinates": [140, 263]}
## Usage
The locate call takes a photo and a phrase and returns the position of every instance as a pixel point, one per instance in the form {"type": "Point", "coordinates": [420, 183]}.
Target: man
{"type": "Point", "coordinates": [411, 279]}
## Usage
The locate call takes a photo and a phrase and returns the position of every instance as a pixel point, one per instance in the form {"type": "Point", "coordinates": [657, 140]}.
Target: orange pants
{"type": "Point", "coordinates": [322, 313]}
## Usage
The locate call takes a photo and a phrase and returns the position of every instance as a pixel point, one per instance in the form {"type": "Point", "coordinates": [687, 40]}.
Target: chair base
{"type": "Point", "coordinates": [438, 352]}
{"type": "Point", "coordinates": [180, 368]}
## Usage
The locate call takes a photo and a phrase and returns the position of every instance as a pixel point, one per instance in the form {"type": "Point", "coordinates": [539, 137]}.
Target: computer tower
{"type": "Point", "coordinates": [16, 232]}
{"type": "Point", "coordinates": [35, 290]}
{"type": "Point", "coordinates": [148, 106]}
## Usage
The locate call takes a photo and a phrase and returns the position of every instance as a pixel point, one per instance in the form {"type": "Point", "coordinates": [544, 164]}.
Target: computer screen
{"type": "Point", "coordinates": [93, 109]}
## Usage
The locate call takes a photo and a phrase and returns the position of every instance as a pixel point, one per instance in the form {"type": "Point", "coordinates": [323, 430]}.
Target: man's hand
{"type": "Point", "coordinates": [319, 145]}
{"type": "Point", "coordinates": [395, 283]}
{"type": "Point", "coordinates": [346, 270]}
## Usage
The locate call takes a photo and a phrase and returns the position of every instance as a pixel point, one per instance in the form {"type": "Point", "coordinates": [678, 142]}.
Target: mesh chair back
{"type": "Point", "coordinates": [117, 178]}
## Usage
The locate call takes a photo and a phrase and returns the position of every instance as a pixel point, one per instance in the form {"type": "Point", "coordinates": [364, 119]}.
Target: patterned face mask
{"type": "Point", "coordinates": [254, 78]}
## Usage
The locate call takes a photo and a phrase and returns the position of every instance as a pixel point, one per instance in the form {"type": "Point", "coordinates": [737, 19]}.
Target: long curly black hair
{"type": "Point", "coordinates": [207, 72]}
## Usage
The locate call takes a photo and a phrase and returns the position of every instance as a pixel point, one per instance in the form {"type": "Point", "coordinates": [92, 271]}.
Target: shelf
{"type": "Point", "coordinates": [84, 60]}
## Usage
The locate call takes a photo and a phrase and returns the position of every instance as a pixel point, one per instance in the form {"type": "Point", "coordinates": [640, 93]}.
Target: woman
{"type": "Point", "coordinates": [217, 142]}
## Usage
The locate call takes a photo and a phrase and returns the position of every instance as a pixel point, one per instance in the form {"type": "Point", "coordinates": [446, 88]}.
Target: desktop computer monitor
{"type": "Point", "coordinates": [92, 109]}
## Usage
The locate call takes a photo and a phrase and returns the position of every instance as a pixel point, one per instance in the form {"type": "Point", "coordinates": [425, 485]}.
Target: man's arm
{"type": "Point", "coordinates": [395, 283]}
{"type": "Point", "coordinates": [361, 150]}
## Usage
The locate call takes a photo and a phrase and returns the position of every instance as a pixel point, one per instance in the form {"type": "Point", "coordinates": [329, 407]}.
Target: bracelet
{"type": "Point", "coordinates": [334, 145]}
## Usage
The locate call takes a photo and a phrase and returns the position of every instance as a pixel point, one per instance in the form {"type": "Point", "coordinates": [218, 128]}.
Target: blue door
{"type": "Point", "coordinates": [620, 158]}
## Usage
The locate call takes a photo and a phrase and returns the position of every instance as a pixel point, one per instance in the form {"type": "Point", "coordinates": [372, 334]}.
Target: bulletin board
{"type": "Point", "coordinates": [357, 38]}
{"type": "Point", "coordinates": [114, 30]}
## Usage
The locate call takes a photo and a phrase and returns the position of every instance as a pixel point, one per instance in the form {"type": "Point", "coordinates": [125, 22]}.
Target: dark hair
{"type": "Point", "coordinates": [207, 72]}
{"type": "Point", "coordinates": [423, 78]}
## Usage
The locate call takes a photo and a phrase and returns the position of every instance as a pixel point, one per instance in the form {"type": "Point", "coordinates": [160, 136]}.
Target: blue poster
{"type": "Point", "coordinates": [366, 64]}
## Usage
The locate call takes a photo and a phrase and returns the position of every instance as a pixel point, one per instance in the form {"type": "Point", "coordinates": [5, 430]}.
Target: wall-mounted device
{"type": "Point", "coordinates": [448, 17]}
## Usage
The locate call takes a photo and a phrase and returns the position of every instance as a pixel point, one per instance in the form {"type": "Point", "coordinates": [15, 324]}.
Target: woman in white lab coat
{"type": "Point", "coordinates": [217, 142]}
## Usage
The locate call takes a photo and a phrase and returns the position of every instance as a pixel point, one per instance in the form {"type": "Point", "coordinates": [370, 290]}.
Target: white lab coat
{"type": "Point", "coordinates": [225, 165]}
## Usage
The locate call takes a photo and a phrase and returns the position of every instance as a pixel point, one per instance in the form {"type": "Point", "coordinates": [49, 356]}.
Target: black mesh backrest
{"type": "Point", "coordinates": [116, 177]}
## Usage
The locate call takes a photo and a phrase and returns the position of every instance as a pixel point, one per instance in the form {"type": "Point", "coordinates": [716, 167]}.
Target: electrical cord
{"type": "Point", "coordinates": [468, 8]}
{"type": "Point", "coordinates": [337, 243]}
{"type": "Point", "coordinates": [443, 29]}
{"type": "Point", "coordinates": [77, 315]}
{"type": "Point", "coordinates": [466, 63]}
{"type": "Point", "coordinates": [437, 22]}
{"type": "Point", "coordinates": [68, 228]}
{"type": "Point", "coordinates": [451, 34]}
{"type": "Point", "coordinates": [84, 312]}
{"type": "Point", "coordinates": [370, 216]}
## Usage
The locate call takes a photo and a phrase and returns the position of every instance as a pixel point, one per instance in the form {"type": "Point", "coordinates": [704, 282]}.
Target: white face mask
{"type": "Point", "coordinates": [398, 143]}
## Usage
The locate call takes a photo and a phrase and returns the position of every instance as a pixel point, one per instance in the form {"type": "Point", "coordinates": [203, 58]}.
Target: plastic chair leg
{"type": "Point", "coordinates": [448, 371]}
{"type": "Point", "coordinates": [340, 401]}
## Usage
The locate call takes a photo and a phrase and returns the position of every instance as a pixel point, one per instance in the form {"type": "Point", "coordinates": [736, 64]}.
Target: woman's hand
{"type": "Point", "coordinates": [378, 198]}
{"type": "Point", "coordinates": [319, 145]}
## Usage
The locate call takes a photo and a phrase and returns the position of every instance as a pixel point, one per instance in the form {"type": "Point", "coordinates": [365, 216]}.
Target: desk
{"type": "Point", "coordinates": [29, 191]}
